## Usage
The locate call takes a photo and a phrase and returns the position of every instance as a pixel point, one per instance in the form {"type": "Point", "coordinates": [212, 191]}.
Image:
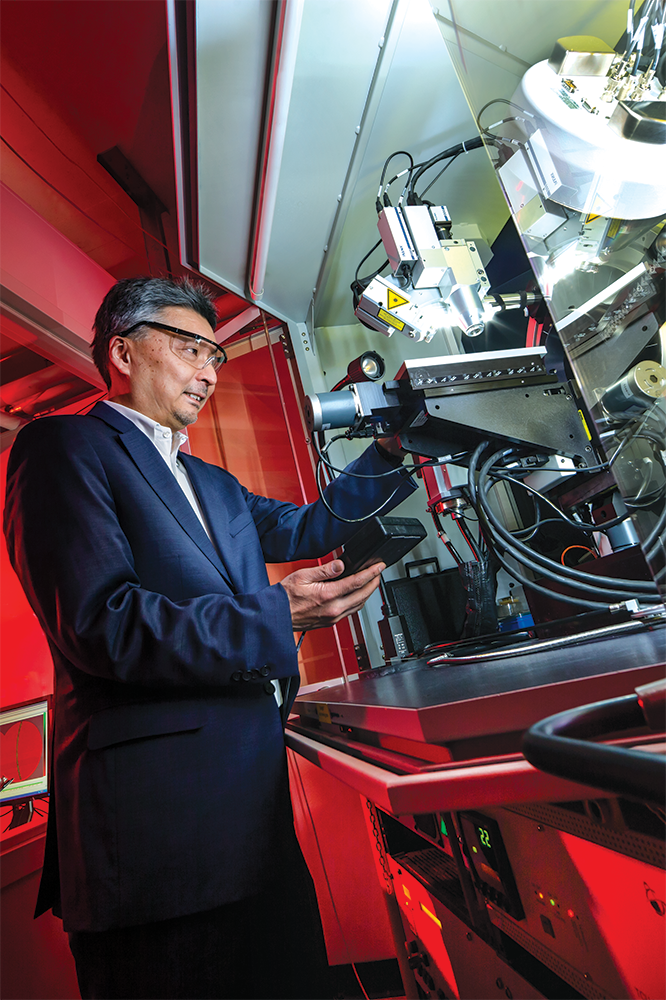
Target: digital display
{"type": "Point", "coordinates": [24, 751]}
{"type": "Point", "coordinates": [489, 862]}
{"type": "Point", "coordinates": [483, 857]}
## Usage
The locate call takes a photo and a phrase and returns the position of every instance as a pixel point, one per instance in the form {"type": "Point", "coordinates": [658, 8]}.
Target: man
{"type": "Point", "coordinates": [170, 853]}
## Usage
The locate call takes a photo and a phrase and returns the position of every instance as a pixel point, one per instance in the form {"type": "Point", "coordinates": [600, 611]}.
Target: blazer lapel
{"type": "Point", "coordinates": [213, 503]}
{"type": "Point", "coordinates": [154, 469]}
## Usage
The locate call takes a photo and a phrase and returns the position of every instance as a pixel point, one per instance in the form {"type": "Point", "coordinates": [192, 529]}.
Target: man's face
{"type": "Point", "coordinates": [163, 385]}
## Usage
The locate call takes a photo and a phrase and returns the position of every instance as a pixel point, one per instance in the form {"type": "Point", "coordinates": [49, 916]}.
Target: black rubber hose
{"type": "Point", "coordinates": [558, 745]}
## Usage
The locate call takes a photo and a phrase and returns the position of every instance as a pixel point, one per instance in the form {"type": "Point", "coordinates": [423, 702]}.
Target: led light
{"type": "Point", "coordinates": [371, 368]}
{"type": "Point", "coordinates": [368, 367]}
{"type": "Point", "coordinates": [432, 916]}
{"type": "Point", "coordinates": [570, 913]}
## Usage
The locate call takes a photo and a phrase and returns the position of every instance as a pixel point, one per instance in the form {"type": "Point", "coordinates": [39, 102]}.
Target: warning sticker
{"type": "Point", "coordinates": [391, 320]}
{"type": "Point", "coordinates": [395, 300]}
{"type": "Point", "coordinates": [585, 427]}
{"type": "Point", "coordinates": [323, 712]}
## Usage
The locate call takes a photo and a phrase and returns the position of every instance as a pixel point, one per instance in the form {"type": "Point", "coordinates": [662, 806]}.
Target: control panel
{"type": "Point", "coordinates": [555, 900]}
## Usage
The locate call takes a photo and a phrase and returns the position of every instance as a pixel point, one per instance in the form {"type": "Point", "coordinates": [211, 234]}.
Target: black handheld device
{"type": "Point", "coordinates": [381, 539]}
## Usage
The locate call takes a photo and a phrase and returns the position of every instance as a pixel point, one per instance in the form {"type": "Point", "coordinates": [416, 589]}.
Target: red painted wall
{"type": "Point", "coordinates": [26, 669]}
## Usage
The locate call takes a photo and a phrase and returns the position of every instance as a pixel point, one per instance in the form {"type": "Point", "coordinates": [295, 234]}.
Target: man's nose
{"type": "Point", "coordinates": [207, 375]}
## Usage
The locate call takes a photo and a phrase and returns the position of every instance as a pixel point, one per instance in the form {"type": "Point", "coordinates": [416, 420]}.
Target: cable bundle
{"type": "Point", "coordinates": [592, 591]}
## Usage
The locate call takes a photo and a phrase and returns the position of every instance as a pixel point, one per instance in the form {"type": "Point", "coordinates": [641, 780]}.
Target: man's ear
{"type": "Point", "coordinates": [119, 354]}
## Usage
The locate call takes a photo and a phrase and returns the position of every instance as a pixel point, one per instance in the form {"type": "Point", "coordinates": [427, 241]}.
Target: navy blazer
{"type": "Point", "coordinates": [169, 787]}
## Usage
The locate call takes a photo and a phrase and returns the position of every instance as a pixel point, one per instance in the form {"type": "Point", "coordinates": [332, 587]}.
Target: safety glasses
{"type": "Point", "coordinates": [190, 347]}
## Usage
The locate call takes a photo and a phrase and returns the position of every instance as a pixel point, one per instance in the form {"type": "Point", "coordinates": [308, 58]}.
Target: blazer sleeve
{"type": "Point", "coordinates": [77, 568]}
{"type": "Point", "coordinates": [369, 485]}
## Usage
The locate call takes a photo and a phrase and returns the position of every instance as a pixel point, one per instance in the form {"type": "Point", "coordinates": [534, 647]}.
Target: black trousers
{"type": "Point", "coordinates": [267, 947]}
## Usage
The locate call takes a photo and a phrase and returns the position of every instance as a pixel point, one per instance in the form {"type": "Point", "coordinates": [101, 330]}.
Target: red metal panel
{"type": "Point", "coordinates": [332, 832]}
{"type": "Point", "coordinates": [465, 787]}
{"type": "Point", "coordinates": [55, 281]}
{"type": "Point", "coordinates": [27, 669]}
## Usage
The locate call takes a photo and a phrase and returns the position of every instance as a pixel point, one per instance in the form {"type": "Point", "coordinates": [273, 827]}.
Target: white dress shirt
{"type": "Point", "coordinates": [167, 443]}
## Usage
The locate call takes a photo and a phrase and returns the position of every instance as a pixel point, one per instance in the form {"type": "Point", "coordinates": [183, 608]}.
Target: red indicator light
{"type": "Point", "coordinates": [570, 913]}
{"type": "Point", "coordinates": [541, 896]}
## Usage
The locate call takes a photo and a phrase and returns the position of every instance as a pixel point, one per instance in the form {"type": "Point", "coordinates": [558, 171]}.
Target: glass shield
{"type": "Point", "coordinates": [572, 110]}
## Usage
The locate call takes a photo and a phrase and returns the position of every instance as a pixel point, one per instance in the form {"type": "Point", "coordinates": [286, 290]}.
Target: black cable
{"type": "Point", "coordinates": [469, 538]}
{"type": "Point", "coordinates": [398, 152]}
{"type": "Point", "coordinates": [587, 580]}
{"type": "Point", "coordinates": [359, 285]}
{"type": "Point", "coordinates": [471, 472]}
{"type": "Point", "coordinates": [657, 441]}
{"type": "Point", "coordinates": [439, 527]}
{"type": "Point", "coordinates": [460, 147]}
{"type": "Point", "coordinates": [353, 520]}
{"type": "Point", "coordinates": [437, 176]}
{"type": "Point", "coordinates": [368, 254]}
{"type": "Point", "coordinates": [414, 467]}
{"type": "Point", "coordinates": [588, 583]}
{"type": "Point", "coordinates": [520, 546]}
{"type": "Point", "coordinates": [581, 525]}
{"type": "Point", "coordinates": [499, 100]}
{"type": "Point", "coordinates": [322, 463]}
{"type": "Point", "coordinates": [656, 532]}
{"type": "Point", "coordinates": [583, 602]}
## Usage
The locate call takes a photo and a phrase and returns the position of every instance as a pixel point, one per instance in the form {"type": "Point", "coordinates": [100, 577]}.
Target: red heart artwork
{"type": "Point", "coordinates": [21, 750]}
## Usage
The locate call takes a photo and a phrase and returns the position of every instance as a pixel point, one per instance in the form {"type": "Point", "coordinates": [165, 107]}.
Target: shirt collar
{"type": "Point", "coordinates": [153, 430]}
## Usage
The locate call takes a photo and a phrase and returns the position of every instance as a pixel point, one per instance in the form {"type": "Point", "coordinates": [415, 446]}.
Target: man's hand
{"type": "Point", "coordinates": [392, 446]}
{"type": "Point", "coordinates": [317, 597]}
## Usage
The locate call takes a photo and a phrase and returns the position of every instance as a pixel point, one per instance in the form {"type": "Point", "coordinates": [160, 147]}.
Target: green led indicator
{"type": "Point", "coordinates": [552, 902]}
{"type": "Point", "coordinates": [475, 849]}
{"type": "Point", "coordinates": [442, 826]}
{"type": "Point", "coordinates": [484, 837]}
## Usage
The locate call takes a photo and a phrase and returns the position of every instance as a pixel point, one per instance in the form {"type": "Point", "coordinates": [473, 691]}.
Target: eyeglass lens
{"type": "Point", "coordinates": [197, 354]}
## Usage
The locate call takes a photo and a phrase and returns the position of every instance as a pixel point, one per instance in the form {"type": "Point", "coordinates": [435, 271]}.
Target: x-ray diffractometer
{"type": "Point", "coordinates": [441, 223]}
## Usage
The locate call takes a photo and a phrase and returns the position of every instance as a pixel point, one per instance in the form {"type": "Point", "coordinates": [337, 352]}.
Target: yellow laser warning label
{"type": "Point", "coordinates": [323, 713]}
{"type": "Point", "coordinates": [395, 300]}
{"type": "Point", "coordinates": [391, 320]}
{"type": "Point", "coordinates": [584, 423]}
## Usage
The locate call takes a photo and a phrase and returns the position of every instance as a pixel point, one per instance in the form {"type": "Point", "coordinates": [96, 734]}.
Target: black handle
{"type": "Point", "coordinates": [422, 562]}
{"type": "Point", "coordinates": [558, 745]}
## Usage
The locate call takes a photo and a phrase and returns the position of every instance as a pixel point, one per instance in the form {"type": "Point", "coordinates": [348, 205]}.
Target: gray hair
{"type": "Point", "coordinates": [134, 299]}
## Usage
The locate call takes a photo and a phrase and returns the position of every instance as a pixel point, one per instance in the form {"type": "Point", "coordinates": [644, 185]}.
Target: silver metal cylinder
{"type": "Point", "coordinates": [324, 410]}
{"type": "Point", "coordinates": [467, 303]}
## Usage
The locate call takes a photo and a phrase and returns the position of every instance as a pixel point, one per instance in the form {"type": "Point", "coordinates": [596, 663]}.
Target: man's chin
{"type": "Point", "coordinates": [185, 419]}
